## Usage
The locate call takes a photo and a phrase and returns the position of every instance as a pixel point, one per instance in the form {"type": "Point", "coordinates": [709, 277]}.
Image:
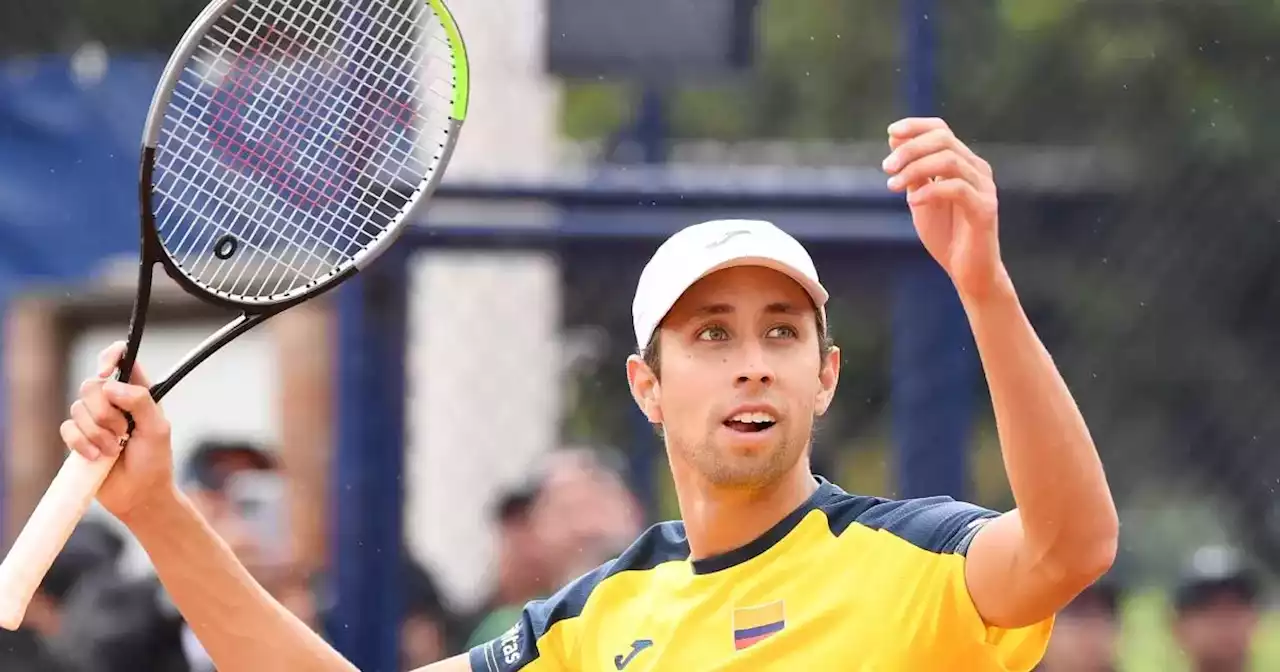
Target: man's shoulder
{"type": "Point", "coordinates": [662, 543]}
{"type": "Point", "coordinates": [938, 524]}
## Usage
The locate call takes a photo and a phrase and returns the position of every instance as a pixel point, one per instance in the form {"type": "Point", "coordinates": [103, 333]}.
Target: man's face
{"type": "Point", "coordinates": [1084, 642]}
{"type": "Point", "coordinates": [741, 377]}
{"type": "Point", "coordinates": [232, 520]}
{"type": "Point", "coordinates": [421, 641]}
{"type": "Point", "coordinates": [583, 516]}
{"type": "Point", "coordinates": [1219, 632]}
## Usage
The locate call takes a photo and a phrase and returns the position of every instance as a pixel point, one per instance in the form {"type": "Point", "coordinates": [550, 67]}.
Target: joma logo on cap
{"type": "Point", "coordinates": [726, 237]}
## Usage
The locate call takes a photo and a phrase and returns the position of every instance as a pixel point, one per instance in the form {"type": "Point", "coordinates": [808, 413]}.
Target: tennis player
{"type": "Point", "coordinates": [771, 567]}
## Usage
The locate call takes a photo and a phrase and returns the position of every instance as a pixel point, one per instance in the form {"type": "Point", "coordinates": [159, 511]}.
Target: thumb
{"type": "Point", "coordinates": [137, 401]}
{"type": "Point", "coordinates": [109, 358]}
{"type": "Point", "coordinates": [109, 361]}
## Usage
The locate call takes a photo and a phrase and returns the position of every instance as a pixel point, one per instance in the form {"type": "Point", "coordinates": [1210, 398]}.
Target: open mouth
{"type": "Point", "coordinates": [750, 423]}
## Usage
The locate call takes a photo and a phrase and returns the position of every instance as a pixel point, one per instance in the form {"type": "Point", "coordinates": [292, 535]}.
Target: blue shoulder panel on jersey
{"type": "Point", "coordinates": [936, 524]}
{"type": "Point", "coordinates": [517, 647]}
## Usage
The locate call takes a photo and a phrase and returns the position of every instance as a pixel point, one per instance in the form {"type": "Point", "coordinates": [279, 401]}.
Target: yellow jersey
{"type": "Point", "coordinates": [844, 582]}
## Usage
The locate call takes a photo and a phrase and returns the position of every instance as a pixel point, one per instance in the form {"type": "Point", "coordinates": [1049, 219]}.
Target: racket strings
{"type": "Point", "coordinates": [292, 132]}
{"type": "Point", "coordinates": [365, 117]}
{"type": "Point", "coordinates": [239, 67]}
{"type": "Point", "coordinates": [377, 106]}
{"type": "Point", "coordinates": [359, 137]}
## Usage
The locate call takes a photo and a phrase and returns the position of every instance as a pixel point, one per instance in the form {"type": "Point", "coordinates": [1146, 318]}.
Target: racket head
{"type": "Point", "coordinates": [290, 142]}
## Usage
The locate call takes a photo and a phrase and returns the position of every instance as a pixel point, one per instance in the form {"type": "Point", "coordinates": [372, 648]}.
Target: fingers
{"type": "Point", "coordinates": [137, 401]}
{"type": "Point", "coordinates": [913, 126]}
{"type": "Point", "coordinates": [980, 207]}
{"type": "Point", "coordinates": [926, 152]}
{"type": "Point", "coordinates": [77, 441]}
{"type": "Point", "coordinates": [98, 426]}
{"type": "Point", "coordinates": [930, 142]}
{"type": "Point", "coordinates": [103, 440]}
{"type": "Point", "coordinates": [109, 360]}
{"type": "Point", "coordinates": [100, 410]}
{"type": "Point", "coordinates": [942, 165]}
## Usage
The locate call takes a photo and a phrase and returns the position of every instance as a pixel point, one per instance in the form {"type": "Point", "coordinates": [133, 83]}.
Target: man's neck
{"type": "Point", "coordinates": [719, 519]}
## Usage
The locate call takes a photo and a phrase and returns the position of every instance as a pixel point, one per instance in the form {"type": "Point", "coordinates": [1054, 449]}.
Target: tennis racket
{"type": "Point", "coordinates": [288, 144]}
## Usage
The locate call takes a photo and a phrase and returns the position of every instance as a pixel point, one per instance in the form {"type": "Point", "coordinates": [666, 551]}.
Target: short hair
{"type": "Point", "coordinates": [516, 501]}
{"type": "Point", "coordinates": [202, 471]}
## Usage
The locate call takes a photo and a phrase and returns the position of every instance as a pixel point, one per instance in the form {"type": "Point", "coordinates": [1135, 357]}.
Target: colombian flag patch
{"type": "Point", "coordinates": [752, 624]}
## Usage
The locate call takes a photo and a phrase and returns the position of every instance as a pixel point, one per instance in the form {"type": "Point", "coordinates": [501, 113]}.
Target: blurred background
{"type": "Point", "coordinates": [408, 459]}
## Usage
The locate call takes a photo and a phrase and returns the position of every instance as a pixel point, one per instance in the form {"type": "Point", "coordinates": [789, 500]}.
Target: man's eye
{"type": "Point", "coordinates": [713, 334]}
{"type": "Point", "coordinates": [783, 331]}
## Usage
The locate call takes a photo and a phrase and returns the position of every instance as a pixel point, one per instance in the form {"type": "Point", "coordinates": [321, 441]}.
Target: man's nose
{"type": "Point", "coordinates": [754, 366]}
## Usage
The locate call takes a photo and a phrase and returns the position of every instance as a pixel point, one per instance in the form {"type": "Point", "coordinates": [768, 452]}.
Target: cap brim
{"type": "Point", "coordinates": [817, 293]}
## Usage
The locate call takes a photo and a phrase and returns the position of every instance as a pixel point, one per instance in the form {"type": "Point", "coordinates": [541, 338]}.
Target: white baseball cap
{"type": "Point", "coordinates": [702, 249]}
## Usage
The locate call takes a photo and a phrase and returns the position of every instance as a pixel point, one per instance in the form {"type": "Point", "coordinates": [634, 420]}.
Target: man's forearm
{"type": "Point", "coordinates": [1068, 516]}
{"type": "Point", "coordinates": [239, 624]}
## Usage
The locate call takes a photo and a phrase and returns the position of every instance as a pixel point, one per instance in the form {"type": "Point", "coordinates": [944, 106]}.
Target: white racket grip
{"type": "Point", "coordinates": [46, 532]}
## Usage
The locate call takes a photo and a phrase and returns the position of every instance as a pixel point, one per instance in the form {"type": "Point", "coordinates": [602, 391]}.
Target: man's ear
{"type": "Point", "coordinates": [828, 377]}
{"type": "Point", "coordinates": [645, 388]}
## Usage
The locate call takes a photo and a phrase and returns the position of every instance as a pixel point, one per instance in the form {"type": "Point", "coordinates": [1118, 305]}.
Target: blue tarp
{"type": "Point", "coordinates": [69, 165]}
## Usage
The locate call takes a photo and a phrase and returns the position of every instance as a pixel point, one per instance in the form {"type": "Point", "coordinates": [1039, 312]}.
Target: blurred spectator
{"type": "Point", "coordinates": [584, 513]}
{"type": "Point", "coordinates": [574, 513]}
{"type": "Point", "coordinates": [131, 624]}
{"type": "Point", "coordinates": [426, 629]}
{"type": "Point", "coordinates": [1086, 632]}
{"type": "Point", "coordinates": [1217, 610]}
{"type": "Point", "coordinates": [521, 565]}
{"type": "Point", "coordinates": [239, 488]}
{"type": "Point", "coordinates": [92, 553]}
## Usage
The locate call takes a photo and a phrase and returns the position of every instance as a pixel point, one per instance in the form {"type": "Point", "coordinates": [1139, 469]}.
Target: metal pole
{"type": "Point", "coordinates": [918, 72]}
{"type": "Point", "coordinates": [5, 448]}
{"type": "Point", "coordinates": [367, 481]}
{"type": "Point", "coordinates": [651, 134]}
{"type": "Point", "coordinates": [934, 367]}
{"type": "Point", "coordinates": [651, 131]}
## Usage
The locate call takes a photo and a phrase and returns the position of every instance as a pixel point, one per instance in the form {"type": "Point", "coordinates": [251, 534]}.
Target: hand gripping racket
{"type": "Point", "coordinates": [288, 144]}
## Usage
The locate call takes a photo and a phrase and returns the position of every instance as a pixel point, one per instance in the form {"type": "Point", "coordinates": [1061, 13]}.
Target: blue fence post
{"type": "Point", "coordinates": [934, 363]}
{"type": "Point", "coordinates": [5, 448]}
{"type": "Point", "coordinates": [651, 125]}
{"type": "Point", "coordinates": [934, 378]}
{"type": "Point", "coordinates": [650, 132]}
{"type": "Point", "coordinates": [367, 496]}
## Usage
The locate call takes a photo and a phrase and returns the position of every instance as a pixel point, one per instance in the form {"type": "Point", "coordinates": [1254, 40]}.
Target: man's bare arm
{"type": "Point", "coordinates": [459, 663]}
{"type": "Point", "coordinates": [240, 625]}
{"type": "Point", "coordinates": [1026, 565]}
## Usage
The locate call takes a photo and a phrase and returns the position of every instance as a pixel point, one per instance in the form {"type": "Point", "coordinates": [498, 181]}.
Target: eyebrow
{"type": "Point", "coordinates": [781, 308]}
